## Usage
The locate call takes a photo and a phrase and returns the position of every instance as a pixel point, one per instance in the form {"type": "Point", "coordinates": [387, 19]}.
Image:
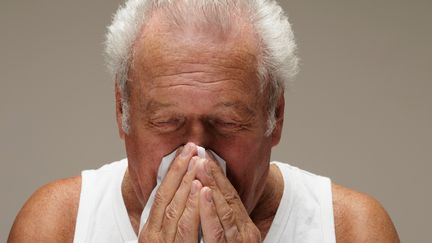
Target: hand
{"type": "Point", "coordinates": [223, 215]}
{"type": "Point", "coordinates": [174, 216]}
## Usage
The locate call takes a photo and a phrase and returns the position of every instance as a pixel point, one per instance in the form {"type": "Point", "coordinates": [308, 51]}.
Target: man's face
{"type": "Point", "coordinates": [192, 89]}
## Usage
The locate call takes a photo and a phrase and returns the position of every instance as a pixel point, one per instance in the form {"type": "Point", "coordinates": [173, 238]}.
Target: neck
{"type": "Point", "coordinates": [133, 206]}
{"type": "Point", "coordinates": [265, 211]}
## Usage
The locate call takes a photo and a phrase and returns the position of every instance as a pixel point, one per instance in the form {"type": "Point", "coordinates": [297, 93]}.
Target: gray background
{"type": "Point", "coordinates": [360, 111]}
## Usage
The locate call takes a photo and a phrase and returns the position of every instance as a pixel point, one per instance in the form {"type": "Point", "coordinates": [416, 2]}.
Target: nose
{"type": "Point", "coordinates": [199, 133]}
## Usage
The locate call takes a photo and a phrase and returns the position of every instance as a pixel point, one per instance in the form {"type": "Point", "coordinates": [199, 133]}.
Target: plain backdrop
{"type": "Point", "coordinates": [360, 111]}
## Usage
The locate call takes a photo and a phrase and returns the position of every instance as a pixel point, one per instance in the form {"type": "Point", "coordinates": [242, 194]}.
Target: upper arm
{"type": "Point", "coordinates": [361, 218]}
{"type": "Point", "coordinates": [50, 213]}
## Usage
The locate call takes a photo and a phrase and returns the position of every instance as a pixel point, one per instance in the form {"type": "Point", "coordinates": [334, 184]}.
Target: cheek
{"type": "Point", "coordinates": [145, 150]}
{"type": "Point", "coordinates": [247, 162]}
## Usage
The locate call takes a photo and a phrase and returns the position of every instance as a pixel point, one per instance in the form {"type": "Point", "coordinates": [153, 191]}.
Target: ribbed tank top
{"type": "Point", "coordinates": [305, 213]}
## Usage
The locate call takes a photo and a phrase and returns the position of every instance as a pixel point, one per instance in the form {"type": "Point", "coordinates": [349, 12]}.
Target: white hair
{"type": "Point", "coordinates": [278, 62]}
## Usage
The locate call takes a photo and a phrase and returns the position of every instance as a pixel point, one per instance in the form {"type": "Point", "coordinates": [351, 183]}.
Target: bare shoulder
{"type": "Point", "coordinates": [49, 215]}
{"type": "Point", "coordinates": [360, 218]}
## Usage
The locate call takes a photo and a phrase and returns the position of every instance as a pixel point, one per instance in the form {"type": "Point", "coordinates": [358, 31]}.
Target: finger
{"type": "Point", "coordinates": [212, 229]}
{"type": "Point", "coordinates": [188, 224]}
{"type": "Point", "coordinates": [222, 182]}
{"type": "Point", "coordinates": [229, 207]}
{"type": "Point", "coordinates": [169, 186]}
{"type": "Point", "coordinates": [231, 212]}
{"type": "Point", "coordinates": [211, 156]}
{"type": "Point", "coordinates": [227, 216]}
{"type": "Point", "coordinates": [210, 174]}
{"type": "Point", "coordinates": [176, 207]}
{"type": "Point", "coordinates": [204, 173]}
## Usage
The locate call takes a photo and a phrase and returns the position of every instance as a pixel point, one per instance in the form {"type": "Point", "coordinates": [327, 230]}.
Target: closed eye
{"type": "Point", "coordinates": [225, 126]}
{"type": "Point", "coordinates": [167, 124]}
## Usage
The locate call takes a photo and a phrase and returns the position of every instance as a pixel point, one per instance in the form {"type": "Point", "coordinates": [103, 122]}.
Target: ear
{"type": "Point", "coordinates": [119, 110]}
{"type": "Point", "coordinates": [279, 116]}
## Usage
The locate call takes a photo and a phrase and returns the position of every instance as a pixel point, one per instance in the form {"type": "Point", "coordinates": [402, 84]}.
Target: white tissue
{"type": "Point", "coordinates": [163, 168]}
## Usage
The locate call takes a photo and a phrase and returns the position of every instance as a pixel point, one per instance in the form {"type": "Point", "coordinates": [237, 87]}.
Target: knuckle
{"type": "Point", "coordinates": [171, 211]}
{"type": "Point", "coordinates": [189, 209]}
{"type": "Point", "coordinates": [231, 197]}
{"type": "Point", "coordinates": [228, 217]}
{"type": "Point", "coordinates": [219, 234]}
{"type": "Point", "coordinates": [182, 230]}
{"type": "Point", "coordinates": [159, 199]}
{"type": "Point", "coordinates": [185, 182]}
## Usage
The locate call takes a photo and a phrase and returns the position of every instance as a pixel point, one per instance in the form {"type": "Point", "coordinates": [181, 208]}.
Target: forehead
{"type": "Point", "coordinates": [195, 64]}
{"type": "Point", "coordinates": [164, 50]}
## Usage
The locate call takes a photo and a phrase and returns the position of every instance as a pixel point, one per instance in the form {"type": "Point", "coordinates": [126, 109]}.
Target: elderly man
{"type": "Point", "coordinates": [193, 74]}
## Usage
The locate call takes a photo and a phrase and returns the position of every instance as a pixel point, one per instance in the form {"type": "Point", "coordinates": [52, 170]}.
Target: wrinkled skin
{"type": "Point", "coordinates": [205, 91]}
{"type": "Point", "coordinates": [182, 204]}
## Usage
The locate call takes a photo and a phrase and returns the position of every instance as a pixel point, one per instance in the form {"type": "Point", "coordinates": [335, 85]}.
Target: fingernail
{"type": "Point", "coordinates": [208, 194]}
{"type": "Point", "coordinates": [194, 188]}
{"type": "Point", "coordinates": [187, 149]}
{"type": "Point", "coordinates": [192, 163]}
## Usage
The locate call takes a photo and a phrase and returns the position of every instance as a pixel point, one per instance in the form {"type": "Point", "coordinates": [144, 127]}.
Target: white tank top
{"type": "Point", "coordinates": [305, 213]}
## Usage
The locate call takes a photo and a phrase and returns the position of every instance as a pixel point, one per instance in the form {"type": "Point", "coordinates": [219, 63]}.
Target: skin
{"type": "Point", "coordinates": [230, 120]}
{"type": "Point", "coordinates": [189, 90]}
{"type": "Point", "coordinates": [170, 113]}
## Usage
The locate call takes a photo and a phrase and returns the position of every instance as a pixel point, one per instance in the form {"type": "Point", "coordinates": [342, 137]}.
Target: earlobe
{"type": "Point", "coordinates": [119, 110]}
{"type": "Point", "coordinates": [279, 117]}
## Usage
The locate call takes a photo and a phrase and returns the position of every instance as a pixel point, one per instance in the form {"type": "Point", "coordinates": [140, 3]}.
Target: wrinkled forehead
{"type": "Point", "coordinates": [162, 50]}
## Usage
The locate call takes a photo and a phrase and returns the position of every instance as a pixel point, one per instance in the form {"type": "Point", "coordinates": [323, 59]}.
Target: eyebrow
{"type": "Point", "coordinates": [154, 105]}
{"type": "Point", "coordinates": [238, 106]}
